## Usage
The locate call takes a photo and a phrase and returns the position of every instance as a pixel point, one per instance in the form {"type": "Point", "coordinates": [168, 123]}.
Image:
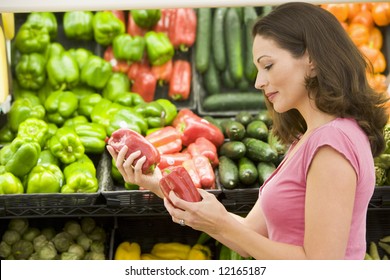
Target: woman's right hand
{"type": "Point", "coordinates": [132, 173]}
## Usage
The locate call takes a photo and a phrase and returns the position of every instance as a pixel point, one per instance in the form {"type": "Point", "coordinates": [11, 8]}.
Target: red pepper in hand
{"type": "Point", "coordinates": [116, 64]}
{"type": "Point", "coordinates": [205, 171]}
{"type": "Point", "coordinates": [179, 181]}
{"type": "Point", "coordinates": [192, 128]}
{"type": "Point", "coordinates": [189, 165]}
{"type": "Point", "coordinates": [180, 83]}
{"type": "Point", "coordinates": [145, 84]}
{"type": "Point", "coordinates": [163, 72]}
{"type": "Point", "coordinates": [182, 114]}
{"type": "Point", "coordinates": [163, 24]}
{"type": "Point", "coordinates": [203, 146]}
{"type": "Point", "coordinates": [133, 29]}
{"type": "Point", "coordinates": [135, 142]}
{"type": "Point", "coordinates": [182, 28]}
{"type": "Point", "coordinates": [175, 159]}
{"type": "Point", "coordinates": [167, 140]}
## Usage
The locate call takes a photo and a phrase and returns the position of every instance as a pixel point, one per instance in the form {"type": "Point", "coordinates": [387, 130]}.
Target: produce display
{"type": "Point", "coordinates": [176, 82]}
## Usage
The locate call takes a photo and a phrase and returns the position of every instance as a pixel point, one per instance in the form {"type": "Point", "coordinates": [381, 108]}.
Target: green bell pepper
{"type": "Point", "coordinates": [129, 99]}
{"type": "Point", "coordinates": [19, 92]}
{"type": "Point", "coordinates": [106, 26]}
{"type": "Point", "coordinates": [152, 112]}
{"type": "Point", "coordinates": [50, 133]}
{"type": "Point", "coordinates": [30, 71]}
{"type": "Point", "coordinates": [45, 179]}
{"type": "Point", "coordinates": [103, 111]}
{"type": "Point", "coordinates": [10, 184]}
{"type": "Point", "coordinates": [115, 174]}
{"type": "Point", "coordinates": [96, 72]}
{"type": "Point", "coordinates": [169, 108]}
{"type": "Point", "coordinates": [44, 92]}
{"type": "Point", "coordinates": [127, 47]}
{"type": "Point", "coordinates": [66, 145]}
{"type": "Point", "coordinates": [35, 129]}
{"type": "Point", "coordinates": [92, 136]}
{"type": "Point", "coordinates": [54, 49]}
{"type": "Point", "coordinates": [127, 118]}
{"type": "Point", "coordinates": [75, 120]}
{"type": "Point", "coordinates": [60, 106]}
{"type": "Point", "coordinates": [80, 177]}
{"type": "Point", "coordinates": [20, 156]}
{"type": "Point", "coordinates": [117, 84]}
{"type": "Point", "coordinates": [32, 37]}
{"type": "Point", "coordinates": [82, 91]}
{"type": "Point", "coordinates": [47, 158]}
{"type": "Point", "coordinates": [63, 71]}
{"type": "Point", "coordinates": [146, 18]}
{"type": "Point", "coordinates": [78, 25]}
{"type": "Point", "coordinates": [159, 48]}
{"type": "Point", "coordinates": [6, 134]}
{"type": "Point", "coordinates": [81, 55]}
{"type": "Point", "coordinates": [24, 108]}
{"type": "Point", "coordinates": [87, 103]}
{"type": "Point", "coordinates": [49, 21]}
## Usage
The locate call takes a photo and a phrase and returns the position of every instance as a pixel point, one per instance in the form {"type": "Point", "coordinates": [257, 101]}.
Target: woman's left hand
{"type": "Point", "coordinates": [205, 215]}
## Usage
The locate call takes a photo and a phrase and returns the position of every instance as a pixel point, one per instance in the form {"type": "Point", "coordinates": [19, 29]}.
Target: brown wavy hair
{"type": "Point", "coordinates": [340, 87]}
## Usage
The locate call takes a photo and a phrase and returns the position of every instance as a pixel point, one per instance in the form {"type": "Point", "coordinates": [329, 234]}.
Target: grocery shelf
{"type": "Point", "coordinates": [25, 6]}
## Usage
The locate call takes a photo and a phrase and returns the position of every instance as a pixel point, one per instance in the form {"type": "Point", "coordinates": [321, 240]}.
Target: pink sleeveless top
{"type": "Point", "coordinates": [283, 193]}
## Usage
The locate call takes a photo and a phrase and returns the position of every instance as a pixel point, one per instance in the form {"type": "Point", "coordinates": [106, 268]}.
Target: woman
{"type": "Point", "coordinates": [314, 205]}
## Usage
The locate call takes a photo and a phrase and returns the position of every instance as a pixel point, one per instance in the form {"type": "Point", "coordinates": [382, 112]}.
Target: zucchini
{"type": "Point", "coordinates": [257, 129]}
{"type": "Point", "coordinates": [233, 37]}
{"type": "Point", "coordinates": [247, 171]}
{"type": "Point", "coordinates": [211, 79]}
{"type": "Point", "coordinates": [203, 39]}
{"type": "Point", "coordinates": [218, 38]}
{"type": "Point", "coordinates": [258, 150]}
{"type": "Point", "coordinates": [250, 16]}
{"type": "Point", "coordinates": [232, 149]}
{"type": "Point", "coordinates": [228, 173]}
{"type": "Point", "coordinates": [265, 170]}
{"type": "Point", "coordinates": [235, 101]}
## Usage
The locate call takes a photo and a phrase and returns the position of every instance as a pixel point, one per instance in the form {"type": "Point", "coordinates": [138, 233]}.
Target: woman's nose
{"type": "Point", "coordinates": [260, 82]}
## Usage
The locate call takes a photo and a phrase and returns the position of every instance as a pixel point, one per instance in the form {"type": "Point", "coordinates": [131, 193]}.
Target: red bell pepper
{"type": "Point", "coordinates": [135, 142]}
{"type": "Point", "coordinates": [192, 128]}
{"type": "Point", "coordinates": [189, 165]}
{"type": "Point", "coordinates": [167, 140]}
{"type": "Point", "coordinates": [179, 181]}
{"type": "Point", "coordinates": [163, 72]}
{"type": "Point", "coordinates": [182, 28]}
{"type": "Point", "coordinates": [182, 114]}
{"type": "Point", "coordinates": [137, 67]}
{"type": "Point", "coordinates": [163, 24]}
{"type": "Point", "coordinates": [203, 146]}
{"type": "Point", "coordinates": [117, 65]}
{"type": "Point", "coordinates": [205, 171]}
{"type": "Point", "coordinates": [145, 85]}
{"type": "Point", "coordinates": [175, 159]}
{"type": "Point", "coordinates": [133, 29]}
{"type": "Point", "coordinates": [180, 83]}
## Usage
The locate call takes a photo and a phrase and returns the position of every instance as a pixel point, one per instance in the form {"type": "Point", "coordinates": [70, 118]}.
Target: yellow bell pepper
{"type": "Point", "coordinates": [171, 250]}
{"type": "Point", "coordinates": [148, 256]}
{"type": "Point", "coordinates": [199, 252]}
{"type": "Point", "coordinates": [128, 251]}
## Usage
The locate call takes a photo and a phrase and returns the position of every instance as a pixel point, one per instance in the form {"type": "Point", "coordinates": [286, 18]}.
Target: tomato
{"type": "Point", "coordinates": [340, 11]}
{"type": "Point", "coordinates": [381, 13]}
{"type": "Point", "coordinates": [353, 10]}
{"type": "Point", "coordinates": [359, 33]}
{"type": "Point", "coordinates": [364, 17]}
{"type": "Point", "coordinates": [375, 39]}
{"type": "Point", "coordinates": [380, 63]}
{"type": "Point", "coordinates": [375, 57]}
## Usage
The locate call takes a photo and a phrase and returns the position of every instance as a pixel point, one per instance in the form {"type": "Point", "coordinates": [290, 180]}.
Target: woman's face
{"type": "Point", "coordinates": [281, 76]}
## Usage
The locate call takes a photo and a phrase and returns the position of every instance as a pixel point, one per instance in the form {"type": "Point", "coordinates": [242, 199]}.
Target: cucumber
{"type": "Point", "coordinates": [234, 130]}
{"type": "Point", "coordinates": [257, 129]}
{"type": "Point", "coordinates": [226, 79]}
{"type": "Point", "coordinates": [203, 39]}
{"type": "Point", "coordinates": [276, 144]}
{"type": "Point", "coordinates": [235, 101]}
{"type": "Point", "coordinates": [247, 171]}
{"type": "Point", "coordinates": [258, 150]}
{"type": "Point", "coordinates": [250, 16]}
{"type": "Point", "coordinates": [244, 117]}
{"type": "Point", "coordinates": [232, 149]}
{"type": "Point", "coordinates": [264, 170]}
{"type": "Point", "coordinates": [228, 173]}
{"type": "Point", "coordinates": [218, 38]}
{"type": "Point", "coordinates": [233, 37]}
{"type": "Point", "coordinates": [213, 121]}
{"type": "Point", "coordinates": [211, 80]}
{"type": "Point", "coordinates": [264, 116]}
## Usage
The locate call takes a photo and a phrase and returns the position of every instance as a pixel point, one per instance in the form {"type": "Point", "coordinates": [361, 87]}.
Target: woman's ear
{"type": "Point", "coordinates": [312, 68]}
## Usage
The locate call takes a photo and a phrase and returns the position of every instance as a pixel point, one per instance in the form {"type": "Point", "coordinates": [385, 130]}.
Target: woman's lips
{"type": "Point", "coordinates": [271, 95]}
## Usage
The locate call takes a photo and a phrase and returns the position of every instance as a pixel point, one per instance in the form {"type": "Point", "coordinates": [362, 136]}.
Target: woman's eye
{"type": "Point", "coordinates": [267, 67]}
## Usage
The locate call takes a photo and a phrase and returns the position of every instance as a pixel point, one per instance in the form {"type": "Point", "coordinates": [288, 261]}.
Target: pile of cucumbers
{"type": "Point", "coordinates": [250, 152]}
{"type": "Point", "coordinates": [224, 60]}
